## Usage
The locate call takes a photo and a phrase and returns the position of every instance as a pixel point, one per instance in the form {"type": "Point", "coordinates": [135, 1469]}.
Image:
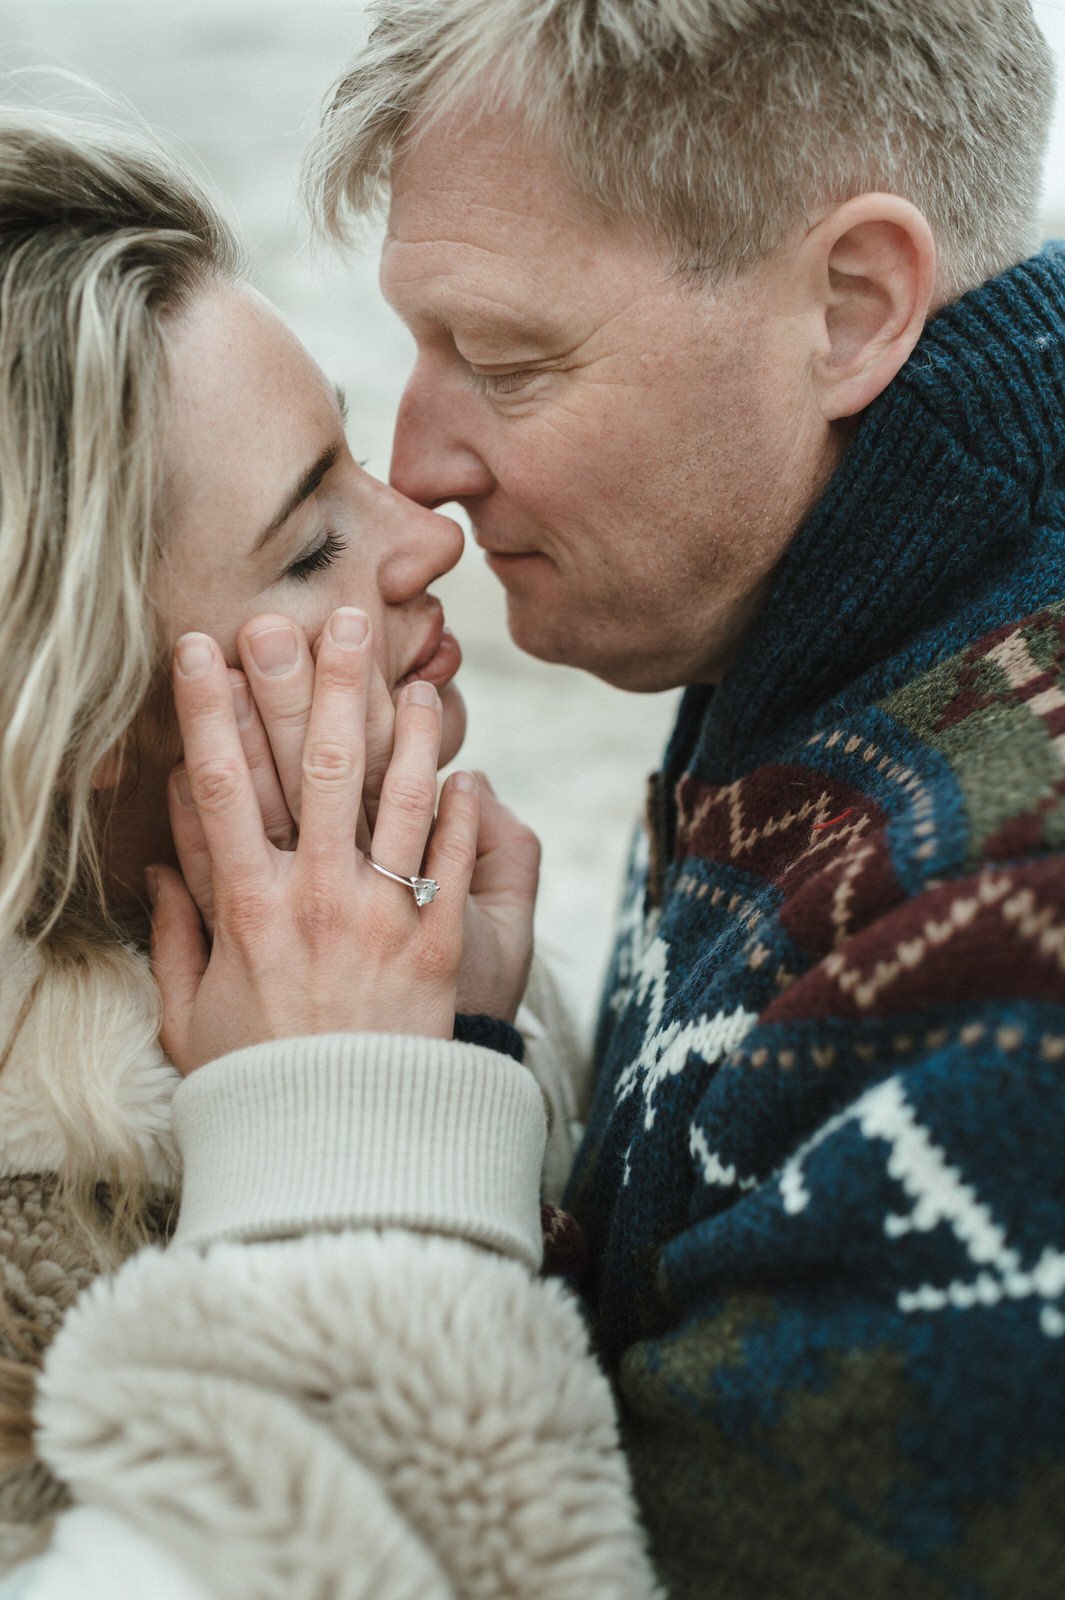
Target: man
{"type": "Point", "coordinates": [724, 345]}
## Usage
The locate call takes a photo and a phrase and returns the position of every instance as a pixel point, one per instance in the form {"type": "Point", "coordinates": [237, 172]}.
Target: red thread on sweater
{"type": "Point", "coordinates": [832, 823]}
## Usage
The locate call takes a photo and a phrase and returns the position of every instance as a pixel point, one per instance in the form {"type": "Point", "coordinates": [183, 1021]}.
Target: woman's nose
{"type": "Point", "coordinates": [423, 547]}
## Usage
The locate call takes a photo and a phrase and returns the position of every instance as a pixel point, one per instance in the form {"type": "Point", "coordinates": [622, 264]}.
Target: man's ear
{"type": "Point", "coordinates": [872, 266]}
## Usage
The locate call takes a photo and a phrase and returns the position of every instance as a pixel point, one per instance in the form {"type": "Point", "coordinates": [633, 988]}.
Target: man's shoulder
{"type": "Point", "coordinates": [991, 721]}
{"type": "Point", "coordinates": [961, 765]}
{"type": "Point", "coordinates": [902, 852]}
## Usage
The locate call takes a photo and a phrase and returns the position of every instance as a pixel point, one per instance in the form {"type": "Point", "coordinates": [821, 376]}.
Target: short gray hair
{"type": "Point", "coordinates": [719, 125]}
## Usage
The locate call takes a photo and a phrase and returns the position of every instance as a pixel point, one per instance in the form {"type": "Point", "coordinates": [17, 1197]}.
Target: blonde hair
{"type": "Point", "coordinates": [103, 237]}
{"type": "Point", "coordinates": [719, 125]}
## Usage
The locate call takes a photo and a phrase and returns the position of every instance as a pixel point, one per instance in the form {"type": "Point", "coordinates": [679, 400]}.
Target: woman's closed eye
{"type": "Point", "coordinates": [323, 555]}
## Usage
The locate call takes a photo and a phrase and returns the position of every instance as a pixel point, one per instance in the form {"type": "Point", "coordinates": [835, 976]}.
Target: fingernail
{"type": "Point", "coordinates": [151, 885]}
{"type": "Point", "coordinates": [181, 784]}
{"type": "Point", "coordinates": [465, 781]}
{"type": "Point", "coordinates": [195, 652]}
{"type": "Point", "coordinates": [349, 628]}
{"type": "Point", "coordinates": [241, 701]}
{"type": "Point", "coordinates": [274, 650]}
{"type": "Point", "coordinates": [421, 694]}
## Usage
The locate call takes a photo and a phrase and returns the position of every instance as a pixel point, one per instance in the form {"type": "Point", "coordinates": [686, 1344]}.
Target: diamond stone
{"type": "Point", "coordinates": [424, 890]}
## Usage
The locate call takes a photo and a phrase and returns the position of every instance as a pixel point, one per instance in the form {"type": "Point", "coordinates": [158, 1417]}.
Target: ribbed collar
{"type": "Point", "coordinates": [945, 517]}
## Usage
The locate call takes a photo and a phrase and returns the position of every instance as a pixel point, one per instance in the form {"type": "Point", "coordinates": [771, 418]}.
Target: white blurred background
{"type": "Point", "coordinates": [236, 86]}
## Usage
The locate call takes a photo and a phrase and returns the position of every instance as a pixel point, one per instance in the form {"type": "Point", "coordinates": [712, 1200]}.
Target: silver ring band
{"type": "Point", "coordinates": [423, 889]}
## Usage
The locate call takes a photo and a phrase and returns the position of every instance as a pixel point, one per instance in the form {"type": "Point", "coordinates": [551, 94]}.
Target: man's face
{"type": "Point", "coordinates": [634, 452]}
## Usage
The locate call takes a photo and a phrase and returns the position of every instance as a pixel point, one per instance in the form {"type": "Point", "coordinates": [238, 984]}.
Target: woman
{"type": "Point", "coordinates": [341, 1376]}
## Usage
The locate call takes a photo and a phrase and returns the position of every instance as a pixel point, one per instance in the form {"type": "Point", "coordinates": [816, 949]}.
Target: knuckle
{"type": "Point", "coordinates": [529, 844]}
{"type": "Point", "coordinates": [410, 793]}
{"type": "Point", "coordinates": [206, 706]}
{"type": "Point", "coordinates": [319, 914]}
{"type": "Point", "coordinates": [326, 762]}
{"type": "Point", "coordinates": [458, 854]}
{"type": "Point", "coordinates": [244, 914]}
{"type": "Point", "coordinates": [378, 925]}
{"type": "Point", "coordinates": [215, 784]}
{"type": "Point", "coordinates": [522, 841]}
{"type": "Point", "coordinates": [520, 833]}
{"type": "Point", "coordinates": [285, 718]}
{"type": "Point", "coordinates": [438, 962]}
{"type": "Point", "coordinates": [339, 669]}
{"type": "Point", "coordinates": [281, 832]}
{"type": "Point", "coordinates": [201, 697]}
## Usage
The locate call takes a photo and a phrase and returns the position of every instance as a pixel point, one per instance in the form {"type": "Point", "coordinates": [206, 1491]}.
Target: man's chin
{"type": "Point", "coordinates": [582, 649]}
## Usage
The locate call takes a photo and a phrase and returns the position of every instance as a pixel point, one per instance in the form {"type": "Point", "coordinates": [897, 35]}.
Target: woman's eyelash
{"type": "Point", "coordinates": [326, 553]}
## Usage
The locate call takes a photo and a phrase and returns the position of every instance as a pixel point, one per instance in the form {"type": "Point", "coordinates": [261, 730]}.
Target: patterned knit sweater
{"type": "Point", "coordinates": [824, 1180]}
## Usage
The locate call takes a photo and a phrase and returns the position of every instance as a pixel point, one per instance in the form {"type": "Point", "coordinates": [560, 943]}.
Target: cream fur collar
{"type": "Point", "coordinates": [85, 1087]}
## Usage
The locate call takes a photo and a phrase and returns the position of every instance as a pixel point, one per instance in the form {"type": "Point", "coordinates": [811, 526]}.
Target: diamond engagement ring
{"type": "Point", "coordinates": [423, 889]}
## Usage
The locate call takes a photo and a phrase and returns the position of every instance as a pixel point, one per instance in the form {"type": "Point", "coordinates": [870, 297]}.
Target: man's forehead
{"type": "Point", "coordinates": [458, 254]}
{"type": "Point", "coordinates": [482, 181]}
{"type": "Point", "coordinates": [519, 257]}
{"type": "Point", "coordinates": [458, 288]}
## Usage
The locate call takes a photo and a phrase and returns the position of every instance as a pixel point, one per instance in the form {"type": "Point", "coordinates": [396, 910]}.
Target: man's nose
{"type": "Point", "coordinates": [435, 455]}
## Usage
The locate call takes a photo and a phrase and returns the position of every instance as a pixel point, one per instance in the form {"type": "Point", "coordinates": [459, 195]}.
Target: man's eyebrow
{"type": "Point", "coordinates": [500, 325]}
{"type": "Point", "coordinates": [303, 491]}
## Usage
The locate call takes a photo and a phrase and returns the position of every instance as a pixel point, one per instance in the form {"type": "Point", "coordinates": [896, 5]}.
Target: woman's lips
{"type": "Point", "coordinates": [441, 666]}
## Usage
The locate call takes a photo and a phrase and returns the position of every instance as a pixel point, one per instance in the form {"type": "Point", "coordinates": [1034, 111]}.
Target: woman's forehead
{"type": "Point", "coordinates": [248, 406]}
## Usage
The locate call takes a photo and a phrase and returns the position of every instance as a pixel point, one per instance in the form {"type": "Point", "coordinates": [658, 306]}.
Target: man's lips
{"type": "Point", "coordinates": [504, 558]}
{"type": "Point", "coordinates": [439, 659]}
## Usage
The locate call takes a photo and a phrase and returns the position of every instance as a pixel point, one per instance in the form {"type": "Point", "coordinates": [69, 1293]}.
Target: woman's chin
{"type": "Point", "coordinates": [454, 731]}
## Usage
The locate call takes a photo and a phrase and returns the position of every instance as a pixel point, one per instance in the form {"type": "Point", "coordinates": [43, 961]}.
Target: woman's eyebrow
{"type": "Point", "coordinates": [303, 491]}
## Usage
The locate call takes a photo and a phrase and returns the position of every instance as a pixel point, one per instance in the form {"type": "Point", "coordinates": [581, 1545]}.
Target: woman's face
{"type": "Point", "coordinates": [270, 513]}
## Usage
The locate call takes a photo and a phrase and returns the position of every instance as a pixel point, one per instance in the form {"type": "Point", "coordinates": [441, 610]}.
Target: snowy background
{"type": "Point", "coordinates": [236, 86]}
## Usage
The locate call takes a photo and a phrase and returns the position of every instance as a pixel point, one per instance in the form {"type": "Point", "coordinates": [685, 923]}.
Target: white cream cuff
{"type": "Point", "coordinates": [342, 1131]}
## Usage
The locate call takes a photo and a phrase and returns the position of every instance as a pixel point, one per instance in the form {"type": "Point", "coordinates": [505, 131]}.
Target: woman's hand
{"type": "Point", "coordinates": [312, 939]}
{"type": "Point", "coordinates": [273, 712]}
{"type": "Point", "coordinates": [272, 700]}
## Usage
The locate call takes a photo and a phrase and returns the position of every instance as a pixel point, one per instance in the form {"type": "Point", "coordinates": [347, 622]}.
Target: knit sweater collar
{"type": "Point", "coordinates": [947, 507]}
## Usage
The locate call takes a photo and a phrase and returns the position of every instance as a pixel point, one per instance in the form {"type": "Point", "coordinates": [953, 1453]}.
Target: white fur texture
{"type": "Point", "coordinates": [367, 1414]}
{"type": "Point", "coordinates": [86, 1088]}
{"type": "Point", "coordinates": [98, 1556]}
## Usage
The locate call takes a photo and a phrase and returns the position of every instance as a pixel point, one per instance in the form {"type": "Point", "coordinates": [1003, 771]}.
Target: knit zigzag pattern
{"type": "Point", "coordinates": [824, 1182]}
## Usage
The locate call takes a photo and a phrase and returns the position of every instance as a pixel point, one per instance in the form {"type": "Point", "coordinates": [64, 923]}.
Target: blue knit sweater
{"type": "Point", "coordinates": [824, 1180]}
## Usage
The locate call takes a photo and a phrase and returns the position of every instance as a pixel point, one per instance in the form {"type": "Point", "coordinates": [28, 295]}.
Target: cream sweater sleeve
{"type": "Point", "coordinates": [344, 1379]}
{"type": "Point", "coordinates": [362, 1130]}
